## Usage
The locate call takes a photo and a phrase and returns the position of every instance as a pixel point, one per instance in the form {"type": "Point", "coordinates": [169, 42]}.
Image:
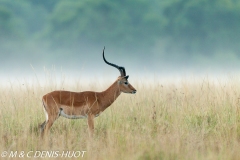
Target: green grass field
{"type": "Point", "coordinates": [189, 119]}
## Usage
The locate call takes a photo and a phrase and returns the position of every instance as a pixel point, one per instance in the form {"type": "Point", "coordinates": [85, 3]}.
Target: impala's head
{"type": "Point", "coordinates": [122, 80]}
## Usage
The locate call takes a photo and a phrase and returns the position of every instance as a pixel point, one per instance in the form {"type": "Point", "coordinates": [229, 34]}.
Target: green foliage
{"type": "Point", "coordinates": [180, 28]}
{"type": "Point", "coordinates": [118, 23]}
{"type": "Point", "coordinates": [5, 18]}
{"type": "Point", "coordinates": [18, 22]}
{"type": "Point", "coordinates": [204, 26]}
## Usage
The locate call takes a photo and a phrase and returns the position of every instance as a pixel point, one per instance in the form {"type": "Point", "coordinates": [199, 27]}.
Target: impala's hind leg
{"type": "Point", "coordinates": [46, 125]}
{"type": "Point", "coordinates": [51, 116]}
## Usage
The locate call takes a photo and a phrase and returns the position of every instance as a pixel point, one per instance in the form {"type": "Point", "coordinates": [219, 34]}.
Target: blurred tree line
{"type": "Point", "coordinates": [181, 28]}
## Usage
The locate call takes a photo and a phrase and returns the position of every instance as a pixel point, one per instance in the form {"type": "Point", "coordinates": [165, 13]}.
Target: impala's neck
{"type": "Point", "coordinates": [110, 95]}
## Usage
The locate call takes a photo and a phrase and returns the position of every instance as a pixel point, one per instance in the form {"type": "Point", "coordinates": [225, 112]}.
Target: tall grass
{"type": "Point", "coordinates": [190, 119]}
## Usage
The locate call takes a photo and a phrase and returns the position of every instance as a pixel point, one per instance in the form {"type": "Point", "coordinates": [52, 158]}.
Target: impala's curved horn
{"type": "Point", "coordinates": [121, 69]}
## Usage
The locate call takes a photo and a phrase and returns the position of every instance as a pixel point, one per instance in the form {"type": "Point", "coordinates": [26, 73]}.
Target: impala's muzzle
{"type": "Point", "coordinates": [135, 91]}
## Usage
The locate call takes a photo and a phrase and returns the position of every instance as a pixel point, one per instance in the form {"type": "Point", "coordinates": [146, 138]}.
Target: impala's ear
{"type": "Point", "coordinates": [126, 77]}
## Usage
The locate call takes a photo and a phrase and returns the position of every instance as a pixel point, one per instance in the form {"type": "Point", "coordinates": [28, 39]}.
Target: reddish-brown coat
{"type": "Point", "coordinates": [89, 103]}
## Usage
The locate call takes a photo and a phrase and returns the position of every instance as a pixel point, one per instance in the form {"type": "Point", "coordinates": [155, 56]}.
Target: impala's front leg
{"type": "Point", "coordinates": [91, 124]}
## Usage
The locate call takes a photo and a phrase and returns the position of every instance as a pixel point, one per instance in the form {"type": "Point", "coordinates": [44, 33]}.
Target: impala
{"type": "Point", "coordinates": [88, 104]}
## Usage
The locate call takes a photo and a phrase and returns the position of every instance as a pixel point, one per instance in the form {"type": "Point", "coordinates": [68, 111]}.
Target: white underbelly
{"type": "Point", "coordinates": [72, 116]}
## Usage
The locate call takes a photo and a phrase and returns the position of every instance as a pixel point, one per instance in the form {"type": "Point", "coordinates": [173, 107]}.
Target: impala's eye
{"type": "Point", "coordinates": [126, 83]}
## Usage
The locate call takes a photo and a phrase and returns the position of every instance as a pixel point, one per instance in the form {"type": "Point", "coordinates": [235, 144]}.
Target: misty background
{"type": "Point", "coordinates": [147, 37]}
